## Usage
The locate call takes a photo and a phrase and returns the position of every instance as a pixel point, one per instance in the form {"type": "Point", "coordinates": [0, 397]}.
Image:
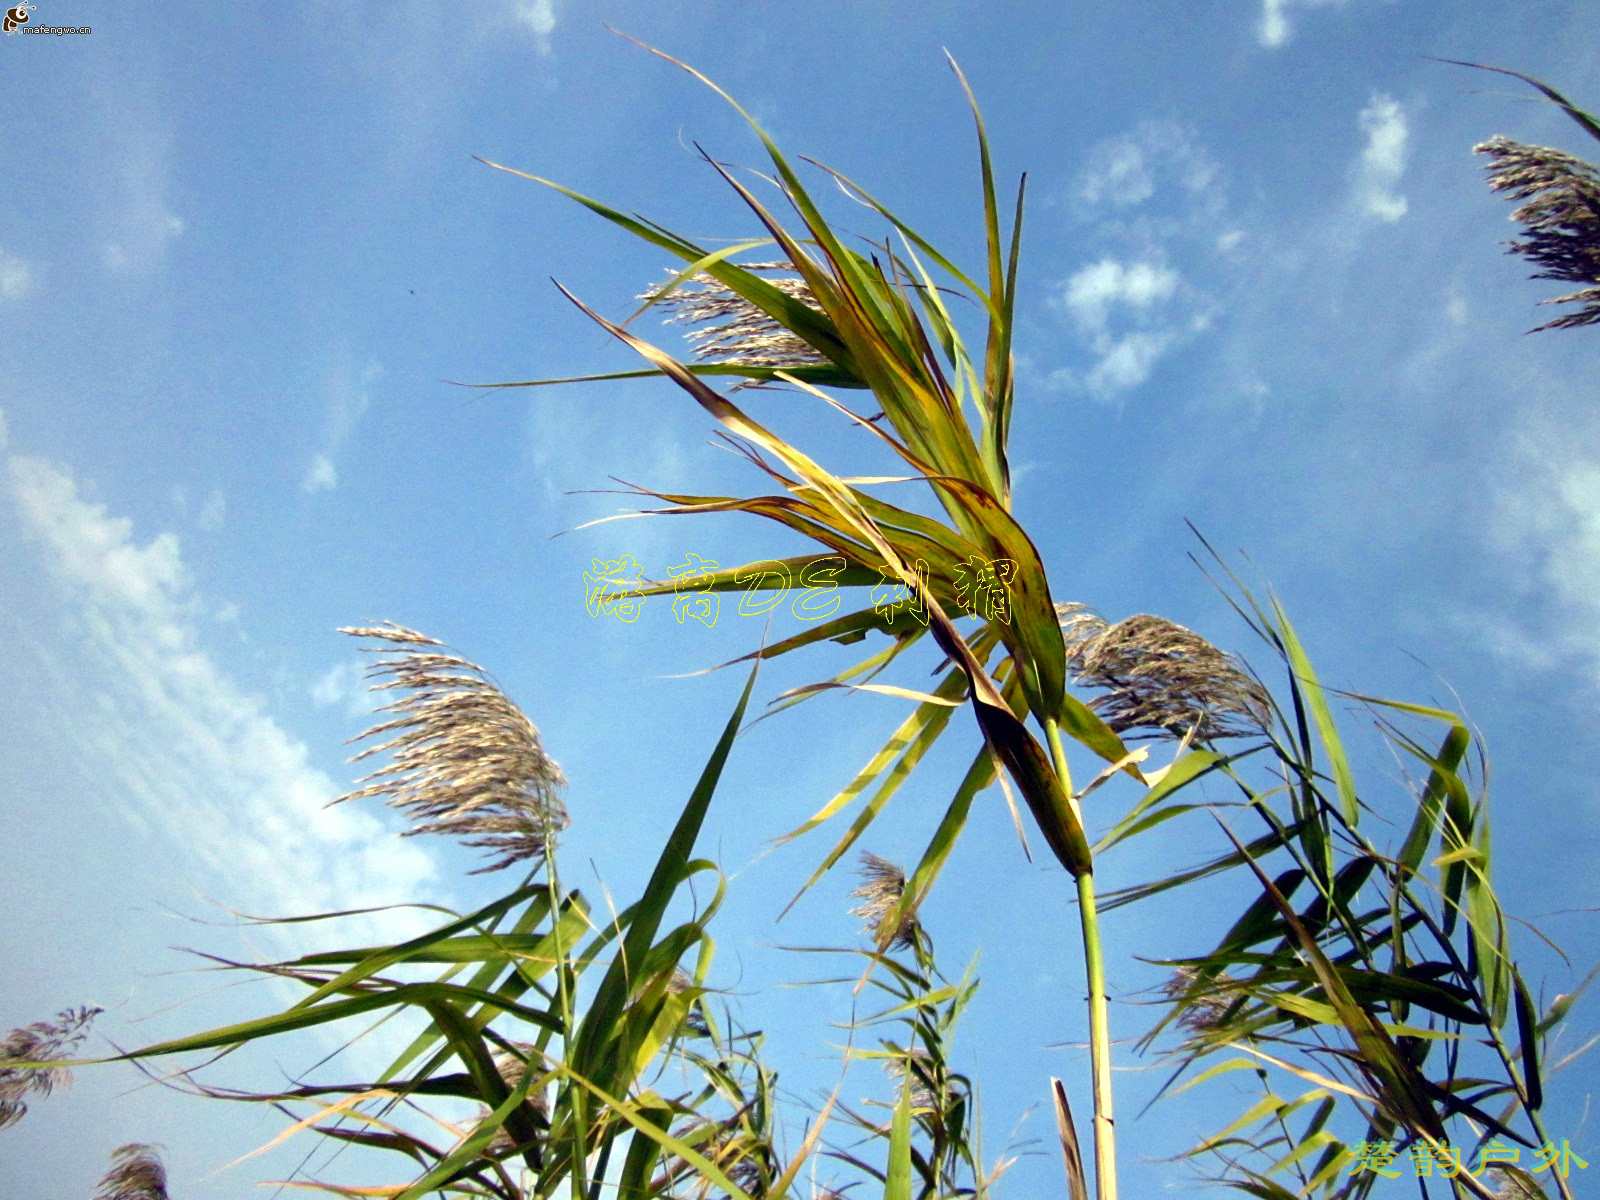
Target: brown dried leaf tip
{"type": "Point", "coordinates": [735, 330]}
{"type": "Point", "coordinates": [136, 1174]}
{"type": "Point", "coordinates": [43, 1041]}
{"type": "Point", "coordinates": [465, 760]}
{"type": "Point", "coordinates": [884, 884]}
{"type": "Point", "coordinates": [1561, 218]}
{"type": "Point", "coordinates": [1161, 678]}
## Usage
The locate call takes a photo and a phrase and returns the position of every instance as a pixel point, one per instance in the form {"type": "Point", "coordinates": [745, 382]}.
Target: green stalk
{"type": "Point", "coordinates": [1105, 1130]}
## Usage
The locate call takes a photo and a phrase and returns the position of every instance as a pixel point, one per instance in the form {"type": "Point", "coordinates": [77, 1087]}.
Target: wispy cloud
{"type": "Point", "coordinates": [213, 513]}
{"type": "Point", "coordinates": [1547, 524]}
{"type": "Point", "coordinates": [195, 754]}
{"type": "Point", "coordinates": [539, 17]}
{"type": "Point", "coordinates": [1148, 194]}
{"type": "Point", "coordinates": [1092, 292]}
{"type": "Point", "coordinates": [1126, 362]}
{"type": "Point", "coordinates": [16, 277]}
{"type": "Point", "coordinates": [1127, 313]}
{"type": "Point", "coordinates": [1375, 183]}
{"type": "Point", "coordinates": [1124, 172]}
{"type": "Point", "coordinates": [349, 395]}
{"type": "Point", "coordinates": [138, 219]}
{"type": "Point", "coordinates": [1274, 28]}
{"type": "Point", "coordinates": [344, 686]}
{"type": "Point", "coordinates": [320, 476]}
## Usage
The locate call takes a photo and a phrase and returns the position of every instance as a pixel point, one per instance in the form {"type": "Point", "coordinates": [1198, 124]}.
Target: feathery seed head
{"type": "Point", "coordinates": [513, 1064]}
{"type": "Point", "coordinates": [884, 885]}
{"type": "Point", "coordinates": [919, 1064]}
{"type": "Point", "coordinates": [465, 760]}
{"type": "Point", "coordinates": [1204, 1011]}
{"type": "Point", "coordinates": [732, 329]}
{"type": "Point", "coordinates": [1160, 676]}
{"type": "Point", "coordinates": [1561, 218]}
{"type": "Point", "coordinates": [1513, 1186]}
{"type": "Point", "coordinates": [42, 1041]}
{"type": "Point", "coordinates": [136, 1174]}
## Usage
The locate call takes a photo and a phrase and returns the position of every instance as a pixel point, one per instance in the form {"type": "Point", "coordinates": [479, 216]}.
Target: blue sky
{"type": "Point", "coordinates": [245, 247]}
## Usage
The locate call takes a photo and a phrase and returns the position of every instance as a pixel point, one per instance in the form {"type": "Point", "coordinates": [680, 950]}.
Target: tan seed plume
{"type": "Point", "coordinates": [42, 1041]}
{"type": "Point", "coordinates": [884, 885]}
{"type": "Point", "coordinates": [1561, 218]}
{"type": "Point", "coordinates": [920, 1066]}
{"type": "Point", "coordinates": [1204, 1010]}
{"type": "Point", "coordinates": [465, 761]}
{"type": "Point", "coordinates": [1161, 678]}
{"type": "Point", "coordinates": [136, 1174]}
{"type": "Point", "coordinates": [734, 330]}
{"type": "Point", "coordinates": [1508, 1186]}
{"type": "Point", "coordinates": [513, 1065]}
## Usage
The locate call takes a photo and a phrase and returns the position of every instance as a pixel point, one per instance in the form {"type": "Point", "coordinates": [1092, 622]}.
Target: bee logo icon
{"type": "Point", "coordinates": [17, 17]}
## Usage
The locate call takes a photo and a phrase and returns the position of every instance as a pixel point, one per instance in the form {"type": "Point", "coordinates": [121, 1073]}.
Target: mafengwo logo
{"type": "Point", "coordinates": [17, 20]}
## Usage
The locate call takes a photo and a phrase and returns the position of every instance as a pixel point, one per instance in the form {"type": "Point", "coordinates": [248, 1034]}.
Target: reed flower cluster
{"type": "Point", "coordinates": [731, 328]}
{"type": "Point", "coordinates": [466, 761]}
{"type": "Point", "coordinates": [884, 884]}
{"type": "Point", "coordinates": [1561, 217]}
{"type": "Point", "coordinates": [512, 1065]}
{"type": "Point", "coordinates": [42, 1041]}
{"type": "Point", "coordinates": [1204, 1007]}
{"type": "Point", "coordinates": [1161, 677]}
{"type": "Point", "coordinates": [922, 1068]}
{"type": "Point", "coordinates": [136, 1174]}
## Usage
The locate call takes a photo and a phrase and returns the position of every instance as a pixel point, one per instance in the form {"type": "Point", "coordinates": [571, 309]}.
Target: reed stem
{"type": "Point", "coordinates": [1105, 1132]}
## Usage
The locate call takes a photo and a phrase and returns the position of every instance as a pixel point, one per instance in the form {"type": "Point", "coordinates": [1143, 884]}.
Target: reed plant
{"type": "Point", "coordinates": [1339, 984]}
{"type": "Point", "coordinates": [1369, 988]}
{"type": "Point", "coordinates": [1560, 209]}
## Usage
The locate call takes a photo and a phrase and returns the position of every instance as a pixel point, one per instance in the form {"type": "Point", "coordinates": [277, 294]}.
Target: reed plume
{"type": "Point", "coordinates": [466, 761]}
{"type": "Point", "coordinates": [40, 1042]}
{"type": "Point", "coordinates": [1161, 678]}
{"type": "Point", "coordinates": [880, 894]}
{"type": "Point", "coordinates": [1561, 218]}
{"type": "Point", "coordinates": [732, 329]}
{"type": "Point", "coordinates": [136, 1174]}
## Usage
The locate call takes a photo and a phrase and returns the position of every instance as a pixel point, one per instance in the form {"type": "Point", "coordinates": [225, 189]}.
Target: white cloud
{"type": "Point", "coordinates": [1127, 170]}
{"type": "Point", "coordinates": [539, 16]}
{"type": "Point", "coordinates": [1554, 517]}
{"type": "Point", "coordinates": [1090, 293]}
{"type": "Point", "coordinates": [213, 512]}
{"type": "Point", "coordinates": [344, 685]}
{"type": "Point", "coordinates": [16, 277]}
{"type": "Point", "coordinates": [1124, 309]}
{"type": "Point", "coordinates": [321, 476]}
{"type": "Point", "coordinates": [1274, 29]}
{"type": "Point", "coordinates": [349, 395]}
{"type": "Point", "coordinates": [5, 431]}
{"type": "Point", "coordinates": [1126, 362]}
{"type": "Point", "coordinates": [1118, 174]}
{"type": "Point", "coordinates": [1382, 162]}
{"type": "Point", "coordinates": [196, 755]}
{"type": "Point", "coordinates": [146, 228]}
